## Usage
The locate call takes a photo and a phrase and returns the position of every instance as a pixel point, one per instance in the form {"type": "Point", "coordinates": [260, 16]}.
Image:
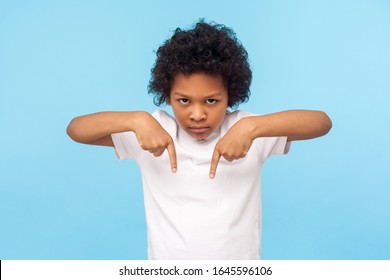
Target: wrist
{"type": "Point", "coordinates": [250, 123]}
{"type": "Point", "coordinates": [256, 127]}
{"type": "Point", "coordinates": [137, 119]}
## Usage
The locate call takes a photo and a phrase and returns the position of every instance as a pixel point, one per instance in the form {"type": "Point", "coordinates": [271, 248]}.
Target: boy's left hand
{"type": "Point", "coordinates": [234, 145]}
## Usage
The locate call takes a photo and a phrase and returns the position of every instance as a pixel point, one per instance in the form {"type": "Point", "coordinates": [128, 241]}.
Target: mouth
{"type": "Point", "coordinates": [199, 129]}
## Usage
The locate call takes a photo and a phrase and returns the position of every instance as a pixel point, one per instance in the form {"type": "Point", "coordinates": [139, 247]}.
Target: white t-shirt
{"type": "Point", "coordinates": [189, 215]}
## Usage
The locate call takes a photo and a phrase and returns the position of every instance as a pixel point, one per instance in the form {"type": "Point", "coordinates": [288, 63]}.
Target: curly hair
{"type": "Point", "coordinates": [208, 48]}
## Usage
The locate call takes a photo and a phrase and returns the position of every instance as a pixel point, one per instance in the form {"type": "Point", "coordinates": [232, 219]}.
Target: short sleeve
{"type": "Point", "coordinates": [125, 145]}
{"type": "Point", "coordinates": [268, 146]}
{"type": "Point", "coordinates": [265, 146]}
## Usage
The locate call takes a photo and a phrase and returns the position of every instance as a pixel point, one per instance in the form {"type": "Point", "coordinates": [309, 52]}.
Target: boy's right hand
{"type": "Point", "coordinates": [152, 137]}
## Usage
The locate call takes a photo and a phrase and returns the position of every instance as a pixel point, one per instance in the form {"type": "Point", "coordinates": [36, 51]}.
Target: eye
{"type": "Point", "coordinates": [211, 101]}
{"type": "Point", "coordinates": [184, 101]}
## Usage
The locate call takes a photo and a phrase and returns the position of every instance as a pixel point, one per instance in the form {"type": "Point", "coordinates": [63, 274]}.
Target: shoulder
{"type": "Point", "coordinates": [238, 114]}
{"type": "Point", "coordinates": [166, 120]}
{"type": "Point", "coordinates": [163, 117]}
{"type": "Point", "coordinates": [232, 117]}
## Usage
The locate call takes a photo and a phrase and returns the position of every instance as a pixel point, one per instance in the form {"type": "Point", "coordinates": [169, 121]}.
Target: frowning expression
{"type": "Point", "coordinates": [199, 102]}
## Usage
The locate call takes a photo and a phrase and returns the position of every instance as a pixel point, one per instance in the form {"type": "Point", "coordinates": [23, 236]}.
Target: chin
{"type": "Point", "coordinates": [200, 136]}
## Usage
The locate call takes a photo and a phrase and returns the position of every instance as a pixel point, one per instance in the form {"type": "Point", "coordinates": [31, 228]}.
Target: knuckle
{"type": "Point", "coordinates": [143, 146]}
{"type": "Point", "coordinates": [228, 155]}
{"type": "Point", "coordinates": [157, 154]}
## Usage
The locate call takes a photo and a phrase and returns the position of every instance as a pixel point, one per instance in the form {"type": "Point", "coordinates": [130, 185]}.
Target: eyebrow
{"type": "Point", "coordinates": [213, 95]}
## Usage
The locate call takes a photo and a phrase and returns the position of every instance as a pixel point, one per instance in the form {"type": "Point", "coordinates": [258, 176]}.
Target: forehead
{"type": "Point", "coordinates": [198, 84]}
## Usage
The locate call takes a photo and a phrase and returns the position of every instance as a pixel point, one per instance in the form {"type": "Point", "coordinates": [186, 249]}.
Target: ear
{"type": "Point", "coordinates": [168, 100]}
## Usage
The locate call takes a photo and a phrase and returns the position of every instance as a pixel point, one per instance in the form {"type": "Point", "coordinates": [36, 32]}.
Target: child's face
{"type": "Point", "coordinates": [199, 103]}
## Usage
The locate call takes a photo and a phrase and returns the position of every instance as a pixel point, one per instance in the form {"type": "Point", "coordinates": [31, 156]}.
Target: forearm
{"type": "Point", "coordinates": [92, 127]}
{"type": "Point", "coordinates": [295, 124]}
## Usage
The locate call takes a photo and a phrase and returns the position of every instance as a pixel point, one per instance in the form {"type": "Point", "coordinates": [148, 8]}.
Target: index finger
{"type": "Point", "coordinates": [172, 156]}
{"type": "Point", "coordinates": [214, 163]}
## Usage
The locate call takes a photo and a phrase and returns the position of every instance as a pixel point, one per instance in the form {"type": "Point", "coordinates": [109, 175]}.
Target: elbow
{"type": "Point", "coordinates": [325, 123]}
{"type": "Point", "coordinates": [73, 130]}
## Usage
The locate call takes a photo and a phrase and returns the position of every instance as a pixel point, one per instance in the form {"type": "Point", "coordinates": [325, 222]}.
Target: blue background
{"type": "Point", "coordinates": [328, 199]}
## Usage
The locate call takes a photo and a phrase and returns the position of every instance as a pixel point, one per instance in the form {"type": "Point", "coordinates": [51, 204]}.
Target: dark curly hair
{"type": "Point", "coordinates": [209, 48]}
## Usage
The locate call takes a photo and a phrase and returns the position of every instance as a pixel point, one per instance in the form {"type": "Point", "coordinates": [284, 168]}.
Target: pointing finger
{"type": "Point", "coordinates": [172, 156]}
{"type": "Point", "coordinates": [214, 163]}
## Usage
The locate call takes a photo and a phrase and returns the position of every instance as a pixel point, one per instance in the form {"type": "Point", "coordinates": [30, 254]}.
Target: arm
{"type": "Point", "coordinates": [295, 124]}
{"type": "Point", "coordinates": [96, 129]}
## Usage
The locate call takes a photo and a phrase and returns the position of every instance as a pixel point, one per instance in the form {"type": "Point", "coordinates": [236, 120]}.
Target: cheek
{"type": "Point", "coordinates": [180, 115]}
{"type": "Point", "coordinates": [220, 116]}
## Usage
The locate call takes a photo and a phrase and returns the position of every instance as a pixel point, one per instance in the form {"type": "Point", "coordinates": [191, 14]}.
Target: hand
{"type": "Point", "coordinates": [152, 137]}
{"type": "Point", "coordinates": [234, 145]}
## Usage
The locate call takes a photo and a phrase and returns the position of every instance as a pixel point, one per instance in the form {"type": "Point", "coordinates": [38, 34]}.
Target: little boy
{"type": "Point", "coordinates": [208, 205]}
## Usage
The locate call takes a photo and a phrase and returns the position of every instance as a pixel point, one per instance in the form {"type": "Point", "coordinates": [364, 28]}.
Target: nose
{"type": "Point", "coordinates": [198, 113]}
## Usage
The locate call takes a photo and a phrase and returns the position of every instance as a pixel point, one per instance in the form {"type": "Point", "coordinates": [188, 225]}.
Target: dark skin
{"type": "Point", "coordinates": [199, 102]}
